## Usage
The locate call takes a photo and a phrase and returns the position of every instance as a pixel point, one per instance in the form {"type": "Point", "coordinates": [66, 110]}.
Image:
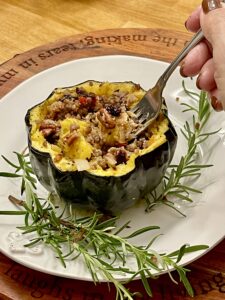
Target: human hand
{"type": "Point", "coordinates": [207, 59]}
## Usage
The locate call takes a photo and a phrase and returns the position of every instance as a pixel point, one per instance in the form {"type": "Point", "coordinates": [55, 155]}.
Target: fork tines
{"type": "Point", "coordinates": [143, 110]}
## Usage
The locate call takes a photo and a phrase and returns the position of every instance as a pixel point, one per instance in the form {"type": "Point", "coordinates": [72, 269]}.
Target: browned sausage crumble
{"type": "Point", "coordinates": [104, 115]}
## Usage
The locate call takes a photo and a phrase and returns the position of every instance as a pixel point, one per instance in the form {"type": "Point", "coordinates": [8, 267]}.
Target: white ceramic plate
{"type": "Point", "coordinates": [204, 222]}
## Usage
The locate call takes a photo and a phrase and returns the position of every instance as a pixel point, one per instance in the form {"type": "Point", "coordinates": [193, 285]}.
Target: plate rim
{"type": "Point", "coordinates": [201, 253]}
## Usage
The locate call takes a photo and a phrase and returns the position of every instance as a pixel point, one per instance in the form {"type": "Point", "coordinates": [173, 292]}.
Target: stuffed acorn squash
{"type": "Point", "coordinates": [79, 145]}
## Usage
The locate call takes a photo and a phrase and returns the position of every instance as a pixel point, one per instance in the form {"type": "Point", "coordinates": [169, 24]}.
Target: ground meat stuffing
{"type": "Point", "coordinates": [105, 116]}
{"type": "Point", "coordinates": [50, 130]}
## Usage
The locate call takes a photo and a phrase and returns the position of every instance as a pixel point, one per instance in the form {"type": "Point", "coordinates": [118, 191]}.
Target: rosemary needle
{"type": "Point", "coordinates": [104, 251]}
{"type": "Point", "coordinates": [173, 184]}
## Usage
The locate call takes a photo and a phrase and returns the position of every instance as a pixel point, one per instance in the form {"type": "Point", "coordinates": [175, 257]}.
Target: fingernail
{"type": "Point", "coordinates": [197, 82]}
{"type": "Point", "coordinates": [182, 70]}
{"type": "Point", "coordinates": [185, 23]}
{"type": "Point", "coordinates": [216, 104]}
{"type": "Point", "coordinates": [208, 5]}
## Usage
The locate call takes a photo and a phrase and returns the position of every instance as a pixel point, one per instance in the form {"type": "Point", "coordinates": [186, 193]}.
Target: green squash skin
{"type": "Point", "coordinates": [109, 194]}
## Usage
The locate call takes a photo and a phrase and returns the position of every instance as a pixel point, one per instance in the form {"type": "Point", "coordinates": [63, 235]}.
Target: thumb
{"type": "Point", "coordinates": [213, 23]}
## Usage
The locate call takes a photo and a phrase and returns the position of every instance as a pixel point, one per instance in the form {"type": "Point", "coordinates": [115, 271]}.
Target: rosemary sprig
{"type": "Point", "coordinates": [98, 241]}
{"type": "Point", "coordinates": [173, 183]}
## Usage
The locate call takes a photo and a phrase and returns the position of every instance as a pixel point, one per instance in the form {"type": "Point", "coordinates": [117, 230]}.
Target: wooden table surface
{"type": "Point", "coordinates": [26, 24]}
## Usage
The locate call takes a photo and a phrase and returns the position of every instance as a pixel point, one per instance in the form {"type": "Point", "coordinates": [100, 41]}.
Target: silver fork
{"type": "Point", "coordinates": [150, 105]}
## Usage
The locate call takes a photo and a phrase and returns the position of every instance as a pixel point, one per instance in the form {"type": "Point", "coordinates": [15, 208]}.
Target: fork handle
{"type": "Point", "coordinates": [193, 42]}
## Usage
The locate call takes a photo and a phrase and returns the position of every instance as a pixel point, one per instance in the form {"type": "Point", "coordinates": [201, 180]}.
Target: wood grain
{"type": "Point", "coordinates": [155, 43]}
{"type": "Point", "coordinates": [17, 282]}
{"type": "Point", "coordinates": [207, 276]}
{"type": "Point", "coordinates": [26, 24]}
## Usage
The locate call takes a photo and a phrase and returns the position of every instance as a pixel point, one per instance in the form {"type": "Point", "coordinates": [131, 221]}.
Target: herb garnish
{"type": "Point", "coordinates": [173, 183]}
{"type": "Point", "coordinates": [98, 240]}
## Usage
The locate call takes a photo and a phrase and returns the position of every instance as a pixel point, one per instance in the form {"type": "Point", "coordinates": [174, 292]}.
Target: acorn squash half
{"type": "Point", "coordinates": [79, 145]}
